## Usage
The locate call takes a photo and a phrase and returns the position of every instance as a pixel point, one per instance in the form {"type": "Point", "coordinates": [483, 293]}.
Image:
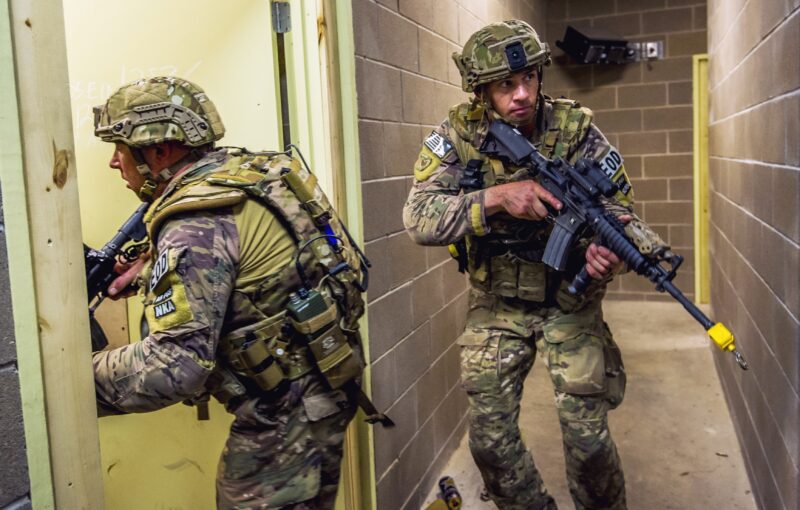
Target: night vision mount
{"type": "Point", "coordinates": [605, 49]}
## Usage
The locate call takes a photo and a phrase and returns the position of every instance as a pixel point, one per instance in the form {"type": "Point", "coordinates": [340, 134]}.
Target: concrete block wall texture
{"type": "Point", "coordinates": [14, 483]}
{"type": "Point", "coordinates": [406, 81]}
{"type": "Point", "coordinates": [754, 148]}
{"type": "Point", "coordinates": [645, 109]}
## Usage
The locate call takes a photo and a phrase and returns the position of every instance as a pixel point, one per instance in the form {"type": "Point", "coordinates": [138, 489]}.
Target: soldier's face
{"type": "Point", "coordinates": [514, 98]}
{"type": "Point", "coordinates": [123, 160]}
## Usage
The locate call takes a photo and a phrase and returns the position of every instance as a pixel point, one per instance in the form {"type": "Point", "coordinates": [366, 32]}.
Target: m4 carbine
{"type": "Point", "coordinates": [100, 267]}
{"type": "Point", "coordinates": [581, 189]}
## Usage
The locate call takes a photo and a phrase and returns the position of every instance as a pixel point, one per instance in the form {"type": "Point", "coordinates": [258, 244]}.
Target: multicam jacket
{"type": "Point", "coordinates": [441, 211]}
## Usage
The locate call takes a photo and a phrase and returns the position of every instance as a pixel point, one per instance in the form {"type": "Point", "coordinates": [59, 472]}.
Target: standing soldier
{"type": "Point", "coordinates": [252, 293]}
{"type": "Point", "coordinates": [492, 215]}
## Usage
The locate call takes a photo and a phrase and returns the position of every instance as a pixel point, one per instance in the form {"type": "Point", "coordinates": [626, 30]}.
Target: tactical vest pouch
{"type": "Point", "coordinates": [257, 361]}
{"type": "Point", "coordinates": [532, 281]}
{"type": "Point", "coordinates": [316, 319]}
{"type": "Point", "coordinates": [261, 355]}
{"type": "Point", "coordinates": [513, 277]}
{"type": "Point", "coordinates": [503, 275]}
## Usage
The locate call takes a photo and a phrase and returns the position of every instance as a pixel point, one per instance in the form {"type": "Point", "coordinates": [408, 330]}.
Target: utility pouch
{"type": "Point", "coordinates": [514, 277]}
{"type": "Point", "coordinates": [532, 281]}
{"type": "Point", "coordinates": [576, 359]}
{"type": "Point", "coordinates": [335, 357]}
{"type": "Point", "coordinates": [503, 275]}
{"type": "Point", "coordinates": [260, 365]}
{"type": "Point", "coordinates": [316, 319]}
{"type": "Point", "coordinates": [616, 378]}
{"type": "Point", "coordinates": [258, 353]}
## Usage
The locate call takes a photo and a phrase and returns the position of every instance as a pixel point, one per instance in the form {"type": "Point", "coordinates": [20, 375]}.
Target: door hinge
{"type": "Point", "coordinates": [281, 17]}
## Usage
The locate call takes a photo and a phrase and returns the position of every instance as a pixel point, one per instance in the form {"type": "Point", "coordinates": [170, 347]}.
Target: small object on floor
{"type": "Point", "coordinates": [448, 498]}
{"type": "Point", "coordinates": [485, 494]}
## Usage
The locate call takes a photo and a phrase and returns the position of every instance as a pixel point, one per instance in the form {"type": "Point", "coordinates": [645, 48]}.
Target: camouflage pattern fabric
{"type": "Point", "coordinates": [156, 110]}
{"type": "Point", "coordinates": [285, 445]}
{"type": "Point", "coordinates": [498, 349]}
{"type": "Point", "coordinates": [519, 307]}
{"type": "Point", "coordinates": [285, 452]}
{"type": "Point", "coordinates": [484, 58]}
{"type": "Point", "coordinates": [437, 213]}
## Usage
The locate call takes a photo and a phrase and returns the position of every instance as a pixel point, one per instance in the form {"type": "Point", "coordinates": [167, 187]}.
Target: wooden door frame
{"type": "Point", "coordinates": [48, 286]}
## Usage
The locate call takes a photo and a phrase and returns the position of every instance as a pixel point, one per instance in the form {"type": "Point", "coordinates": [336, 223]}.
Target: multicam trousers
{"type": "Point", "coordinates": [497, 353]}
{"type": "Point", "coordinates": [285, 449]}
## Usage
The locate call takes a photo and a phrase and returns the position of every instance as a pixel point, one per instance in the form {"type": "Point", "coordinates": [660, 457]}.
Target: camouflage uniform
{"type": "Point", "coordinates": [518, 306]}
{"type": "Point", "coordinates": [218, 281]}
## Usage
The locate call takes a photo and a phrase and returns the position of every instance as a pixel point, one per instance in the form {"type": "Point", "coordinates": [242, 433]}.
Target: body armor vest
{"type": "Point", "coordinates": [305, 315]}
{"type": "Point", "coordinates": [507, 261]}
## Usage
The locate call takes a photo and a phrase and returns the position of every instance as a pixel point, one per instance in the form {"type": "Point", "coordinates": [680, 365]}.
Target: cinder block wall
{"type": "Point", "coordinates": [754, 147]}
{"type": "Point", "coordinates": [645, 109]}
{"type": "Point", "coordinates": [406, 81]}
{"type": "Point", "coordinates": [14, 484]}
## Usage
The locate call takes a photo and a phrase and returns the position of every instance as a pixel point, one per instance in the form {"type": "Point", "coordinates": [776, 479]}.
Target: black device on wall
{"type": "Point", "coordinates": [604, 49]}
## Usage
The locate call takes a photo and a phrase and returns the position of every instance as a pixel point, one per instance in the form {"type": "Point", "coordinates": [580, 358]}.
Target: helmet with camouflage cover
{"type": "Point", "coordinates": [498, 50]}
{"type": "Point", "coordinates": [157, 110]}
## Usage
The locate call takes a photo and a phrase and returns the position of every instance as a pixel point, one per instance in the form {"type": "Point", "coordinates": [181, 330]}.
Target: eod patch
{"type": "Point", "coordinates": [611, 162]}
{"type": "Point", "coordinates": [166, 305]}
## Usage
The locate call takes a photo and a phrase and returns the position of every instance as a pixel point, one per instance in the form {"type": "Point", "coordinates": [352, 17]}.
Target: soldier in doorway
{"type": "Point", "coordinates": [252, 292]}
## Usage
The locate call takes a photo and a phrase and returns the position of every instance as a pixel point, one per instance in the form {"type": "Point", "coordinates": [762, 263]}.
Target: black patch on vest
{"type": "Point", "coordinates": [438, 144]}
{"type": "Point", "coordinates": [160, 268]}
{"type": "Point", "coordinates": [623, 184]}
{"type": "Point", "coordinates": [165, 308]}
{"type": "Point", "coordinates": [163, 297]}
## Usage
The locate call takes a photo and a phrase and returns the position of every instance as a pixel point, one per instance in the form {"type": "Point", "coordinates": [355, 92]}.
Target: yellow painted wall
{"type": "Point", "coordinates": [165, 459]}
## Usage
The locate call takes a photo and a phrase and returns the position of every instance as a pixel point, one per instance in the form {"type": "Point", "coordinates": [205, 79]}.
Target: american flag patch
{"type": "Point", "coordinates": [438, 144]}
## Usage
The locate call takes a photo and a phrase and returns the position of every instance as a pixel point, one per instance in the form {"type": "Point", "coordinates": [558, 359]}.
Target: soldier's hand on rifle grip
{"type": "Point", "coordinates": [602, 262]}
{"type": "Point", "coordinates": [526, 200]}
{"type": "Point", "coordinates": [122, 286]}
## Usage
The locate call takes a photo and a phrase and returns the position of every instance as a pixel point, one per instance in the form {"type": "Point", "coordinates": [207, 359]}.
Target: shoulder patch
{"type": "Point", "coordinates": [623, 184]}
{"type": "Point", "coordinates": [166, 304]}
{"type": "Point", "coordinates": [160, 268]}
{"type": "Point", "coordinates": [427, 163]}
{"type": "Point", "coordinates": [438, 144]}
{"type": "Point", "coordinates": [611, 162]}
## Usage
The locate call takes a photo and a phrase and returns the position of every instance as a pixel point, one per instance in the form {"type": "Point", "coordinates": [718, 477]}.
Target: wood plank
{"type": "Point", "coordinates": [20, 262]}
{"type": "Point", "coordinates": [37, 29]}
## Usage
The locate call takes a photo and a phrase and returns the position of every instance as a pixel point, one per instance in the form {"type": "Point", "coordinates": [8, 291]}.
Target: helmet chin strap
{"type": "Point", "coordinates": [148, 188]}
{"type": "Point", "coordinates": [539, 119]}
{"type": "Point", "coordinates": [147, 191]}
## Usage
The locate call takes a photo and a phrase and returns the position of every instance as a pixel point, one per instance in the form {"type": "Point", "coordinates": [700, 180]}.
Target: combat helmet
{"type": "Point", "coordinates": [156, 110]}
{"type": "Point", "coordinates": [498, 50]}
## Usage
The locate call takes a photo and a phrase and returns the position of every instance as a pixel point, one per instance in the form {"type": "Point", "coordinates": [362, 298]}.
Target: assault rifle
{"type": "Point", "coordinates": [100, 267]}
{"type": "Point", "coordinates": [580, 189]}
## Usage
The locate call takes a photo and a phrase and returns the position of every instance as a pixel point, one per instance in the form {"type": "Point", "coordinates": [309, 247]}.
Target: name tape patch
{"type": "Point", "coordinates": [611, 162]}
{"type": "Point", "coordinates": [438, 144]}
{"type": "Point", "coordinates": [165, 308]}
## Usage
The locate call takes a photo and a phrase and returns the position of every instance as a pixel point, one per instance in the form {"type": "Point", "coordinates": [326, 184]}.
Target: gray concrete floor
{"type": "Point", "coordinates": [673, 431]}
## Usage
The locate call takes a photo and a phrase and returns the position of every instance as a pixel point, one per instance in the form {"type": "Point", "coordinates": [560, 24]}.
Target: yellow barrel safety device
{"type": "Point", "coordinates": [723, 337]}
